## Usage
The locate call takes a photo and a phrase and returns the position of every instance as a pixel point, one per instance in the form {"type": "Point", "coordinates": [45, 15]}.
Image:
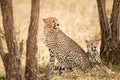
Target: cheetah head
{"type": "Point", "coordinates": [92, 44]}
{"type": "Point", "coordinates": [51, 23]}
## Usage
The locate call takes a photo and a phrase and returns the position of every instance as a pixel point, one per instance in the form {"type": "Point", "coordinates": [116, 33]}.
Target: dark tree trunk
{"type": "Point", "coordinates": [110, 48]}
{"type": "Point", "coordinates": [115, 20]}
{"type": "Point", "coordinates": [31, 59]}
{"type": "Point", "coordinates": [11, 59]}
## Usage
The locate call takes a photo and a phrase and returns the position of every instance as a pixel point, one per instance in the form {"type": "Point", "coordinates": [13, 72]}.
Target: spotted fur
{"type": "Point", "coordinates": [92, 51]}
{"type": "Point", "coordinates": [61, 47]}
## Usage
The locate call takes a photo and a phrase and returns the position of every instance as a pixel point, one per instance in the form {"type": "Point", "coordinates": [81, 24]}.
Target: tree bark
{"type": "Point", "coordinates": [110, 47]}
{"type": "Point", "coordinates": [11, 61]}
{"type": "Point", "coordinates": [31, 59]}
{"type": "Point", "coordinates": [115, 20]}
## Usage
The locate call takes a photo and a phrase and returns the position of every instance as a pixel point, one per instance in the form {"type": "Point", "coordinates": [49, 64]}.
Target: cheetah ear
{"type": "Point", "coordinates": [98, 40]}
{"type": "Point", "coordinates": [44, 20]}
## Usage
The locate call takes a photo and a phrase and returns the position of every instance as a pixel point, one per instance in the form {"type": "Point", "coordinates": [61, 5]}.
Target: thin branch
{"type": "Point", "coordinates": [2, 35]}
{"type": "Point", "coordinates": [21, 47]}
{"type": "Point", "coordinates": [2, 53]}
{"type": "Point", "coordinates": [19, 55]}
{"type": "Point", "coordinates": [1, 48]}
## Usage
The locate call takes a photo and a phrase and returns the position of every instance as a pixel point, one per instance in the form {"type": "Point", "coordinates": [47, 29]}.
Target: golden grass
{"type": "Point", "coordinates": [94, 74]}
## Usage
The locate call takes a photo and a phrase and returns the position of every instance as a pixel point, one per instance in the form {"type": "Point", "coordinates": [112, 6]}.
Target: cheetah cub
{"type": "Point", "coordinates": [94, 55]}
{"type": "Point", "coordinates": [61, 47]}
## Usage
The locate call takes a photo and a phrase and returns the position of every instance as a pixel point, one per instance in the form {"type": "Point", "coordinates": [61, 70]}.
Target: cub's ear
{"type": "Point", "coordinates": [44, 20]}
{"type": "Point", "coordinates": [98, 40]}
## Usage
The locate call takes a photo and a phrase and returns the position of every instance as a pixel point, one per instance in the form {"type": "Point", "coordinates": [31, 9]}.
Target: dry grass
{"type": "Point", "coordinates": [77, 18]}
{"type": "Point", "coordinates": [94, 74]}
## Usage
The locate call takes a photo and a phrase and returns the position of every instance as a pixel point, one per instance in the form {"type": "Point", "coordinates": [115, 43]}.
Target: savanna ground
{"type": "Point", "coordinates": [78, 19]}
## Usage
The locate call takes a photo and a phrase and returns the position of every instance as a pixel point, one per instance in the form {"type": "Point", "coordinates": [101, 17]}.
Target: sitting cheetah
{"type": "Point", "coordinates": [93, 54]}
{"type": "Point", "coordinates": [67, 52]}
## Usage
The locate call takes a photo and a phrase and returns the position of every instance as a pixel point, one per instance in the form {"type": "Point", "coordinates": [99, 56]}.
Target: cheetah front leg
{"type": "Point", "coordinates": [50, 67]}
{"type": "Point", "coordinates": [98, 59]}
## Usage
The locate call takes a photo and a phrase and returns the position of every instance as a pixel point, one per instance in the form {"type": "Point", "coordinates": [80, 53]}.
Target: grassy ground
{"type": "Point", "coordinates": [94, 74]}
{"type": "Point", "coordinates": [2, 78]}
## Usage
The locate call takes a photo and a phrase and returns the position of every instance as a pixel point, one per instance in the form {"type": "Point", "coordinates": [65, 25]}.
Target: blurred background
{"type": "Point", "coordinates": [77, 18]}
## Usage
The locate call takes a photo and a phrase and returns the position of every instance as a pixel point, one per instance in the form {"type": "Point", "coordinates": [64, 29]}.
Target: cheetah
{"type": "Point", "coordinates": [94, 55]}
{"type": "Point", "coordinates": [61, 47]}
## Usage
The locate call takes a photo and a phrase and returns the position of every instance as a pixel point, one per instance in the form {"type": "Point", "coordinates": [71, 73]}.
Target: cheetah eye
{"type": "Point", "coordinates": [58, 24]}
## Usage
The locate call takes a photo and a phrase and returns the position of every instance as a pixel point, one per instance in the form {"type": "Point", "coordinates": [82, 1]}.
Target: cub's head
{"type": "Point", "coordinates": [92, 44]}
{"type": "Point", "coordinates": [51, 24]}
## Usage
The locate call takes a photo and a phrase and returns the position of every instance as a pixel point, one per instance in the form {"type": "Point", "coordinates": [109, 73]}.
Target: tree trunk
{"type": "Point", "coordinates": [115, 20]}
{"type": "Point", "coordinates": [11, 59]}
{"type": "Point", "coordinates": [31, 59]}
{"type": "Point", "coordinates": [110, 48]}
